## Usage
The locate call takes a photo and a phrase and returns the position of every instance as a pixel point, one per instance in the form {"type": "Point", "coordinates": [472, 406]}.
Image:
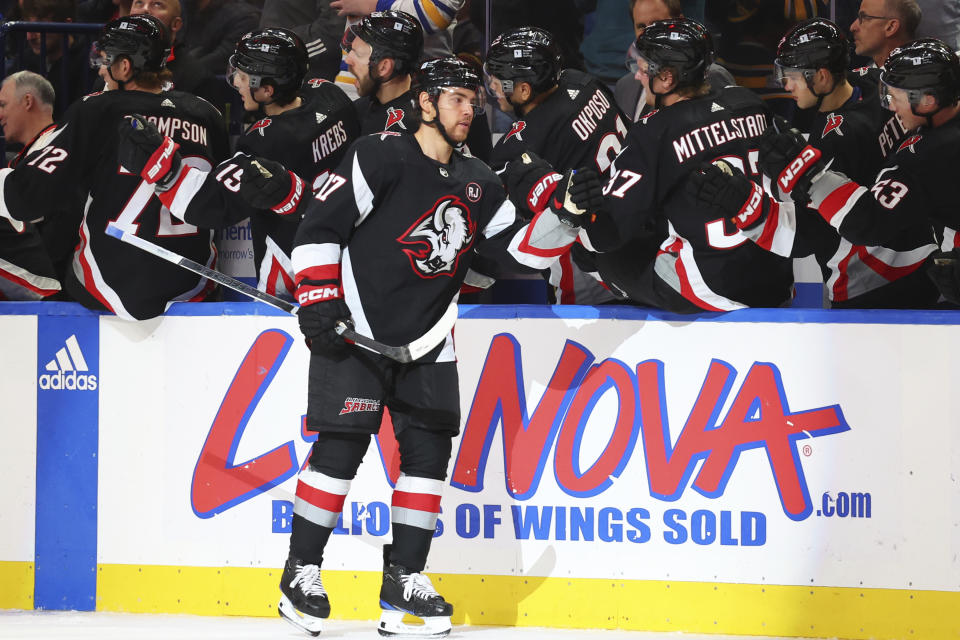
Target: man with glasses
{"type": "Point", "coordinates": [883, 25]}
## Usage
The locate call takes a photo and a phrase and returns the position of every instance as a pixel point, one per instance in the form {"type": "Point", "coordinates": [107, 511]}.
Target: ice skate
{"type": "Point", "coordinates": [405, 591]}
{"type": "Point", "coordinates": [304, 602]}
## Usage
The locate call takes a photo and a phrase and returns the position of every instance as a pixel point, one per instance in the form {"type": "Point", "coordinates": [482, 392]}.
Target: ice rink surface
{"type": "Point", "coordinates": [70, 625]}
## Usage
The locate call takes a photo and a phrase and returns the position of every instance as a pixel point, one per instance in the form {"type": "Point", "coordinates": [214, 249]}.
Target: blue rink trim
{"type": "Point", "coordinates": [567, 312]}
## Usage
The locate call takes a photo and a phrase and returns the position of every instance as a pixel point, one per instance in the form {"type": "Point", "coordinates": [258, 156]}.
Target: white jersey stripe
{"type": "Point", "coordinates": [361, 192]}
{"type": "Point", "coordinates": [323, 482]}
{"type": "Point", "coordinates": [413, 484]}
{"type": "Point", "coordinates": [314, 255]}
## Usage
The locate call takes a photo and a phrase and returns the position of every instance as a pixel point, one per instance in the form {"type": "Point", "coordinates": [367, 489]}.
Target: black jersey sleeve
{"type": "Point", "coordinates": [38, 186]}
{"type": "Point", "coordinates": [877, 214]}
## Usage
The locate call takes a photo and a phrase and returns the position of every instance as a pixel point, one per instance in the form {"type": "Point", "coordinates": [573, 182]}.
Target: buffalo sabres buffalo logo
{"type": "Point", "coordinates": [441, 236]}
{"type": "Point", "coordinates": [833, 124]}
{"type": "Point", "coordinates": [909, 142]}
{"type": "Point", "coordinates": [260, 125]}
{"type": "Point", "coordinates": [394, 116]}
{"type": "Point", "coordinates": [316, 82]}
{"type": "Point", "coordinates": [515, 130]}
{"type": "Point", "coordinates": [644, 117]}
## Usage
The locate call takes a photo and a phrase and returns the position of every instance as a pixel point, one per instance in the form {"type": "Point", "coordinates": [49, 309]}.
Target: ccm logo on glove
{"type": "Point", "coordinates": [788, 179]}
{"type": "Point", "coordinates": [316, 294]}
{"type": "Point", "coordinates": [751, 206]}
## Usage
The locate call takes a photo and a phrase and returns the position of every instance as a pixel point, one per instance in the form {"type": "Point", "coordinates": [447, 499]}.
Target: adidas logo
{"type": "Point", "coordinates": [167, 102]}
{"type": "Point", "coordinates": [715, 107]}
{"type": "Point", "coordinates": [573, 93]}
{"type": "Point", "coordinates": [67, 370]}
{"type": "Point", "coordinates": [320, 117]}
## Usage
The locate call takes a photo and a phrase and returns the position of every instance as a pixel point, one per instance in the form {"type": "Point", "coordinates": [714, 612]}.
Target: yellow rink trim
{"type": "Point", "coordinates": [694, 607]}
{"type": "Point", "coordinates": [16, 585]}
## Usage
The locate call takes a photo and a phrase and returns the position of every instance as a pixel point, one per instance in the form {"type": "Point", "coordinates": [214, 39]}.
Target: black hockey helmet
{"type": "Point", "coordinates": [526, 54]}
{"type": "Point", "coordinates": [814, 44]}
{"type": "Point", "coordinates": [680, 44]}
{"type": "Point", "coordinates": [272, 56]}
{"type": "Point", "coordinates": [391, 34]}
{"type": "Point", "coordinates": [447, 73]}
{"type": "Point", "coordinates": [922, 67]}
{"type": "Point", "coordinates": [142, 39]}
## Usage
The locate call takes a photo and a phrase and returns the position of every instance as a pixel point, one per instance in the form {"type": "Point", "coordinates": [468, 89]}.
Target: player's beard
{"type": "Point", "coordinates": [369, 84]}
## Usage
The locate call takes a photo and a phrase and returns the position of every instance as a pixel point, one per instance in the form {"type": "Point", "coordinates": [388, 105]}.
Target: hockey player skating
{"type": "Point", "coordinates": [387, 243]}
{"type": "Point", "coordinates": [80, 162]}
{"type": "Point", "coordinates": [917, 184]}
{"type": "Point", "coordinates": [566, 117]}
{"type": "Point", "coordinates": [812, 62]}
{"type": "Point", "coordinates": [658, 246]}
{"type": "Point", "coordinates": [306, 130]}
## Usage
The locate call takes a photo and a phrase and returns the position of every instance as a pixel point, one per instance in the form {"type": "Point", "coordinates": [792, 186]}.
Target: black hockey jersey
{"type": "Point", "coordinates": [916, 185]}
{"type": "Point", "coordinates": [309, 140]}
{"type": "Point", "coordinates": [578, 125]}
{"type": "Point", "coordinates": [889, 129]}
{"type": "Point", "coordinates": [702, 256]}
{"type": "Point", "coordinates": [399, 115]}
{"type": "Point", "coordinates": [847, 137]}
{"type": "Point", "coordinates": [26, 271]}
{"type": "Point", "coordinates": [399, 231]}
{"type": "Point", "coordinates": [80, 160]}
{"type": "Point", "coordinates": [327, 119]}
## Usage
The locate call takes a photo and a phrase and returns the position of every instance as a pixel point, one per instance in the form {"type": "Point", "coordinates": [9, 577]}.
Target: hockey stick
{"type": "Point", "coordinates": [405, 353]}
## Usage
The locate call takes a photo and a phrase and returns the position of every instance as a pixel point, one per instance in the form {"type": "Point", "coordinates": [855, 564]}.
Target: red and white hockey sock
{"type": "Point", "coordinates": [320, 497]}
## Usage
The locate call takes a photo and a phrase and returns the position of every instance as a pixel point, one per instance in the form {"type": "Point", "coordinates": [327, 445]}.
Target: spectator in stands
{"type": "Point", "coordinates": [188, 74]}
{"type": "Point", "coordinates": [60, 58]}
{"type": "Point", "coordinates": [26, 111]}
{"type": "Point", "coordinates": [628, 92]}
{"type": "Point", "coordinates": [882, 26]}
{"type": "Point", "coordinates": [212, 29]}
{"type": "Point", "coordinates": [317, 24]}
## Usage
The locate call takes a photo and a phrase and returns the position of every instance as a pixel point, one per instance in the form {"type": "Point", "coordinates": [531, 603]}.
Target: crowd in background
{"type": "Point", "coordinates": [593, 35]}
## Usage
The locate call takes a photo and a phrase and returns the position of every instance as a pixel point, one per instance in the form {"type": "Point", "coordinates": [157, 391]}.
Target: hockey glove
{"type": "Point", "coordinates": [530, 182]}
{"type": "Point", "coordinates": [944, 270]}
{"type": "Point", "coordinates": [579, 192]}
{"type": "Point", "coordinates": [720, 186]}
{"type": "Point", "coordinates": [266, 184]}
{"type": "Point", "coordinates": [318, 320]}
{"type": "Point", "coordinates": [143, 150]}
{"type": "Point", "coordinates": [786, 157]}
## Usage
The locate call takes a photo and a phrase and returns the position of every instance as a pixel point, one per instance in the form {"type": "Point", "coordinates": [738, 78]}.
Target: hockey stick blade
{"type": "Point", "coordinates": [406, 353]}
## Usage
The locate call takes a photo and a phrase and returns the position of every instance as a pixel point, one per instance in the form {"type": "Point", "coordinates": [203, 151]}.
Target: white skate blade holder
{"type": "Point", "coordinates": [391, 625]}
{"type": "Point", "coordinates": [307, 624]}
